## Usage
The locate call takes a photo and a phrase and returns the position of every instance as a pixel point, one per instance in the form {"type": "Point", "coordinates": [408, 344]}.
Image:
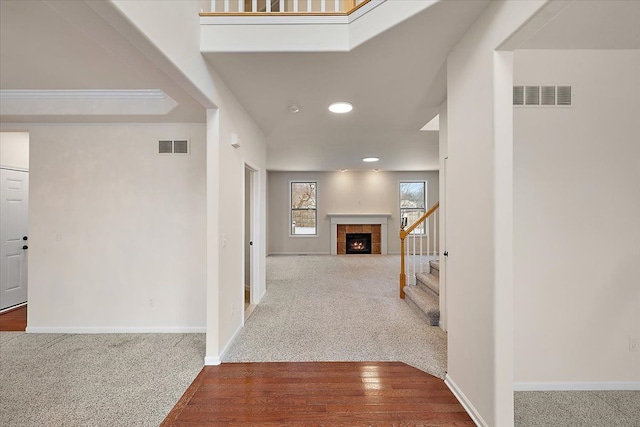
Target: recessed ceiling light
{"type": "Point", "coordinates": [340, 107]}
{"type": "Point", "coordinates": [370, 159]}
{"type": "Point", "coordinates": [343, 170]}
{"type": "Point", "coordinates": [294, 108]}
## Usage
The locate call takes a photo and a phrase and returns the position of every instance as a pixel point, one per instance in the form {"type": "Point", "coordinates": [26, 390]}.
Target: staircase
{"type": "Point", "coordinates": [424, 295]}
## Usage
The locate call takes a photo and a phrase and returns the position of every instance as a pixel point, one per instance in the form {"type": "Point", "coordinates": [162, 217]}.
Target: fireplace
{"type": "Point", "coordinates": [358, 243]}
{"type": "Point", "coordinates": [352, 223]}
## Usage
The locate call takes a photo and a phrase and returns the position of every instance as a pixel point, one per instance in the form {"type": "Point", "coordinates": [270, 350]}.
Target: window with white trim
{"type": "Point", "coordinates": [413, 200]}
{"type": "Point", "coordinates": [304, 214]}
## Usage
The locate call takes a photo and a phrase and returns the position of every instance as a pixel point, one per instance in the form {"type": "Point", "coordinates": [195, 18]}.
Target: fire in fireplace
{"type": "Point", "coordinates": [358, 243]}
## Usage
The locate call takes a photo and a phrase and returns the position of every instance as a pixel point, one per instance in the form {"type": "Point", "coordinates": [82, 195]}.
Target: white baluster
{"type": "Point", "coordinates": [254, 5]}
{"type": "Point", "coordinates": [295, 5]}
{"type": "Point", "coordinates": [213, 5]}
{"type": "Point", "coordinates": [428, 230]}
{"type": "Point", "coordinates": [323, 5]}
{"type": "Point", "coordinates": [337, 6]}
{"type": "Point", "coordinates": [226, 5]}
{"type": "Point", "coordinates": [308, 5]}
{"type": "Point", "coordinates": [413, 257]}
{"type": "Point", "coordinates": [420, 261]}
{"type": "Point", "coordinates": [240, 6]}
{"type": "Point", "coordinates": [435, 232]}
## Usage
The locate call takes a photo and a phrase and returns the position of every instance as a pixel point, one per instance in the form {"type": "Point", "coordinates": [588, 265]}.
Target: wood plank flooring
{"type": "Point", "coordinates": [14, 320]}
{"type": "Point", "coordinates": [317, 394]}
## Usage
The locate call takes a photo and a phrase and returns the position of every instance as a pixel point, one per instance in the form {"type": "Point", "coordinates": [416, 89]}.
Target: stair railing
{"type": "Point", "coordinates": [429, 230]}
{"type": "Point", "coordinates": [263, 7]}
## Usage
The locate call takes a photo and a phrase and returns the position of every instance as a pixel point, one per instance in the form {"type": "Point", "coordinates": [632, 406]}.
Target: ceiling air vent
{"type": "Point", "coordinates": [564, 95]}
{"type": "Point", "coordinates": [532, 95]}
{"type": "Point", "coordinates": [548, 95]}
{"type": "Point", "coordinates": [518, 95]}
{"type": "Point", "coordinates": [178, 146]}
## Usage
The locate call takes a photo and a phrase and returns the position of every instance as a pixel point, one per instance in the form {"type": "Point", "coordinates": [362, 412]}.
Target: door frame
{"type": "Point", "coordinates": [254, 259]}
{"type": "Point", "coordinates": [15, 306]}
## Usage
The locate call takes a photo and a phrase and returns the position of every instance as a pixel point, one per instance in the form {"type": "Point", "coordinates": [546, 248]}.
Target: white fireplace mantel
{"type": "Point", "coordinates": [359, 218]}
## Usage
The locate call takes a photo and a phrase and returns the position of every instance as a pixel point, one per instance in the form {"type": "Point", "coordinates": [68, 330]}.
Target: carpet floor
{"type": "Point", "coordinates": [338, 308]}
{"type": "Point", "coordinates": [94, 380]}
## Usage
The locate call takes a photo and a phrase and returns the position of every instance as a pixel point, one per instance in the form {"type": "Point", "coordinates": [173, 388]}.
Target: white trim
{"type": "Point", "coordinates": [144, 94]}
{"type": "Point", "coordinates": [298, 253]}
{"type": "Point", "coordinates": [577, 386]}
{"type": "Point", "coordinates": [13, 307]}
{"type": "Point", "coordinates": [290, 226]}
{"type": "Point", "coordinates": [116, 329]}
{"type": "Point", "coordinates": [14, 168]}
{"type": "Point", "coordinates": [212, 361]}
{"type": "Point", "coordinates": [466, 404]}
{"type": "Point", "coordinates": [233, 338]}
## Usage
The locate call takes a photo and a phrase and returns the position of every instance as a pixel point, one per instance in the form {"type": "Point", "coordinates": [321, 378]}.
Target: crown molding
{"type": "Point", "coordinates": [85, 94]}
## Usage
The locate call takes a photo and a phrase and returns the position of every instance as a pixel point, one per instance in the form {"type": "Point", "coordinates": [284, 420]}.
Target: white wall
{"type": "Point", "coordinates": [14, 150]}
{"type": "Point", "coordinates": [479, 351]}
{"type": "Point", "coordinates": [577, 228]}
{"type": "Point", "coordinates": [116, 231]}
{"type": "Point", "coordinates": [177, 53]}
{"type": "Point", "coordinates": [340, 192]}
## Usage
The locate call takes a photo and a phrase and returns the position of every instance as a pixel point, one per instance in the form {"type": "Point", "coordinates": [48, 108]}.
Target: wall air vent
{"type": "Point", "coordinates": [538, 96]}
{"type": "Point", "coordinates": [564, 95]}
{"type": "Point", "coordinates": [165, 147]}
{"type": "Point", "coordinates": [532, 95]}
{"type": "Point", "coordinates": [181, 146]}
{"type": "Point", "coordinates": [518, 95]}
{"type": "Point", "coordinates": [548, 95]}
{"type": "Point", "coordinates": [169, 146]}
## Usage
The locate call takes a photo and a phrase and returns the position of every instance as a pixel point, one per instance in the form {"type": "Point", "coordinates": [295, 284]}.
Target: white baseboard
{"type": "Point", "coordinates": [233, 338]}
{"type": "Point", "coordinates": [212, 361]}
{"type": "Point", "coordinates": [216, 360]}
{"type": "Point", "coordinates": [298, 253]}
{"type": "Point", "coordinates": [578, 386]}
{"type": "Point", "coordinates": [466, 404]}
{"type": "Point", "coordinates": [116, 329]}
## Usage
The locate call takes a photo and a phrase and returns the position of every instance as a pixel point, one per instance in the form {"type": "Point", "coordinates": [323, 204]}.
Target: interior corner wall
{"type": "Point", "coordinates": [470, 215]}
{"type": "Point", "coordinates": [14, 150]}
{"type": "Point", "coordinates": [577, 205]}
{"type": "Point", "coordinates": [231, 170]}
{"type": "Point", "coordinates": [340, 192]}
{"type": "Point", "coordinates": [116, 231]}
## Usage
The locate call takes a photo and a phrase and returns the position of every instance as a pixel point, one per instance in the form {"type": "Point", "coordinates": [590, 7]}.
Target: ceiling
{"type": "Point", "coordinates": [591, 25]}
{"type": "Point", "coordinates": [396, 80]}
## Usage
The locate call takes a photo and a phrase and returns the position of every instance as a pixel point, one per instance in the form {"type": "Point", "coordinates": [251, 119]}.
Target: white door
{"type": "Point", "coordinates": [14, 209]}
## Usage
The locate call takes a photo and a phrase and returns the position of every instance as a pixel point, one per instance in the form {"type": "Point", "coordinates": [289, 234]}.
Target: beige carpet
{"type": "Point", "coordinates": [94, 380]}
{"type": "Point", "coordinates": [338, 308]}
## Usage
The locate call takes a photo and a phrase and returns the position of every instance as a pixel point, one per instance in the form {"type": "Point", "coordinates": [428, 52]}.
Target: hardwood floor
{"type": "Point", "coordinates": [317, 394]}
{"type": "Point", "coordinates": [14, 320]}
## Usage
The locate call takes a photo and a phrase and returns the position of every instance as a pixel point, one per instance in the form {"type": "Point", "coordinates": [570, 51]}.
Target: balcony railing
{"type": "Point", "coordinates": [279, 7]}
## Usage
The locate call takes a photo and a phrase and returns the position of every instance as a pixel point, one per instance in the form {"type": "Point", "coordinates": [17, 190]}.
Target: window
{"type": "Point", "coordinates": [413, 196]}
{"type": "Point", "coordinates": [303, 208]}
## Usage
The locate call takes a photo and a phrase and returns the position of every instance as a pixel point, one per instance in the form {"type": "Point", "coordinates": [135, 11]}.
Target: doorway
{"type": "Point", "coordinates": [249, 246]}
{"type": "Point", "coordinates": [14, 211]}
